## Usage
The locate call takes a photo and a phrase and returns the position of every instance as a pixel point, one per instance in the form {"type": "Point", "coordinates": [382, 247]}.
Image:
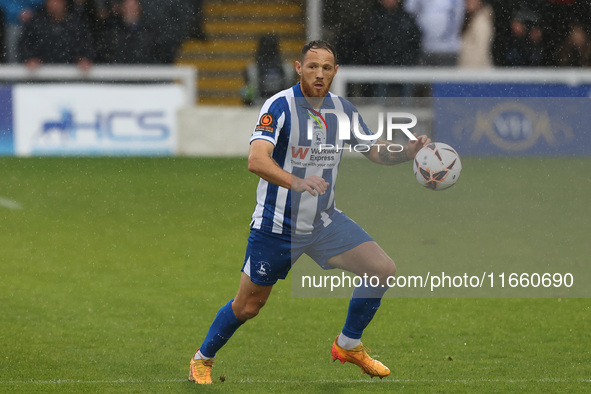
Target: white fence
{"type": "Point", "coordinates": [186, 76]}
{"type": "Point", "coordinates": [200, 131]}
{"type": "Point", "coordinates": [377, 74]}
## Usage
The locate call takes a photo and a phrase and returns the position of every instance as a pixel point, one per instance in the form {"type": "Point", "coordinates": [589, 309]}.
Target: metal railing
{"type": "Point", "coordinates": [185, 75]}
{"type": "Point", "coordinates": [378, 74]}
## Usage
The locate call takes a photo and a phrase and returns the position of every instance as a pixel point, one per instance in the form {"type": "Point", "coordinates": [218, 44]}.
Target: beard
{"type": "Point", "coordinates": [309, 90]}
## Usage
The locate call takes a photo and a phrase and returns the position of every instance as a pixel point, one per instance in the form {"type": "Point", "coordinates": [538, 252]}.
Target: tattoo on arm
{"type": "Point", "coordinates": [387, 157]}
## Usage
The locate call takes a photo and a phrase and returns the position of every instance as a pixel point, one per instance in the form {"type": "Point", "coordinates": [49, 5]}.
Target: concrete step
{"type": "Point", "coordinates": [194, 49]}
{"type": "Point", "coordinates": [228, 101]}
{"type": "Point", "coordinates": [226, 84]}
{"type": "Point", "coordinates": [235, 64]}
{"type": "Point", "coordinates": [259, 10]}
{"type": "Point", "coordinates": [252, 28]}
{"type": "Point", "coordinates": [233, 29]}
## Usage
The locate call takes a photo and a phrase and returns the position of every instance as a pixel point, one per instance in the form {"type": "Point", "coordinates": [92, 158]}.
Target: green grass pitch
{"type": "Point", "coordinates": [111, 270]}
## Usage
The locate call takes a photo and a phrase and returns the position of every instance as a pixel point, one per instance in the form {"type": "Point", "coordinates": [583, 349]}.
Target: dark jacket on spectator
{"type": "Point", "coordinates": [130, 43]}
{"type": "Point", "coordinates": [392, 38]}
{"type": "Point", "coordinates": [63, 42]}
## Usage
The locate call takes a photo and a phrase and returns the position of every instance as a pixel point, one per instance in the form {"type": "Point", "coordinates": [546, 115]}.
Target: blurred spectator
{"type": "Point", "coordinates": [576, 50]}
{"type": "Point", "coordinates": [502, 13]}
{"type": "Point", "coordinates": [94, 14]}
{"type": "Point", "coordinates": [524, 32]}
{"type": "Point", "coordinates": [196, 27]}
{"type": "Point", "coordinates": [15, 13]}
{"type": "Point", "coordinates": [268, 74]}
{"type": "Point", "coordinates": [90, 12]}
{"type": "Point", "coordinates": [392, 38]}
{"type": "Point", "coordinates": [172, 20]}
{"type": "Point", "coordinates": [555, 19]}
{"type": "Point", "coordinates": [440, 22]}
{"type": "Point", "coordinates": [525, 44]}
{"type": "Point", "coordinates": [341, 26]}
{"type": "Point", "coordinates": [477, 35]}
{"type": "Point", "coordinates": [53, 35]}
{"type": "Point", "coordinates": [129, 38]}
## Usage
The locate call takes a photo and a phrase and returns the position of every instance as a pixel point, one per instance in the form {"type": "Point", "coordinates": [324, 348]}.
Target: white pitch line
{"type": "Point", "coordinates": [10, 204]}
{"type": "Point", "coordinates": [74, 381]}
{"type": "Point", "coordinates": [284, 381]}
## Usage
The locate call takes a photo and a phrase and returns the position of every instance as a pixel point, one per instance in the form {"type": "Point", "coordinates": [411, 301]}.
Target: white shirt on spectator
{"type": "Point", "coordinates": [440, 22]}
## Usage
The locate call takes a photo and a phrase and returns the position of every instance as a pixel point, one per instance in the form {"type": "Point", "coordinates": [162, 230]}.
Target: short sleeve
{"type": "Point", "coordinates": [270, 121]}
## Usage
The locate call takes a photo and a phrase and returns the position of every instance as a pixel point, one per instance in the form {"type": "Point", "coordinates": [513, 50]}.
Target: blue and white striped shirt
{"type": "Point", "coordinates": [284, 121]}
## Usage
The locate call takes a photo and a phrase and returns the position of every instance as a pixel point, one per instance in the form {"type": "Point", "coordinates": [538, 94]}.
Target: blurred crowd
{"type": "Point", "coordinates": [85, 32]}
{"type": "Point", "coordinates": [446, 33]}
{"type": "Point", "coordinates": [464, 33]}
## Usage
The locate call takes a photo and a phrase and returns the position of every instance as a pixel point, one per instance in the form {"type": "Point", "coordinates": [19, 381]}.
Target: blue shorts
{"type": "Point", "coordinates": [269, 256]}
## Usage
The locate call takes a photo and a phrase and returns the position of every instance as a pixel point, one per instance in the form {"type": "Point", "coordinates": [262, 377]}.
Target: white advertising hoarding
{"type": "Point", "coordinates": [83, 119]}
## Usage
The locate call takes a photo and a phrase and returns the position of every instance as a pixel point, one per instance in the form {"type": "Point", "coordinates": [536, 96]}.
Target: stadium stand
{"type": "Point", "coordinates": [232, 30]}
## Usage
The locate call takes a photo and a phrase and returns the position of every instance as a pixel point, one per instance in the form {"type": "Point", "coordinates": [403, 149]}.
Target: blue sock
{"type": "Point", "coordinates": [364, 304]}
{"type": "Point", "coordinates": [223, 327]}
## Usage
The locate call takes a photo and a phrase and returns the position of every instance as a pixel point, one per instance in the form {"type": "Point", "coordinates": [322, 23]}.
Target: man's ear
{"type": "Point", "coordinates": [298, 67]}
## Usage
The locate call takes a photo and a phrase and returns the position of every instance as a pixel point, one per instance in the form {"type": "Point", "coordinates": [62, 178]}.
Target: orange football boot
{"type": "Point", "coordinates": [200, 371]}
{"type": "Point", "coordinates": [358, 356]}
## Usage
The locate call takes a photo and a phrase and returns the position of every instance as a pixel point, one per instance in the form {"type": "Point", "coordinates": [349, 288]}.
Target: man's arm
{"type": "Point", "coordinates": [261, 163]}
{"type": "Point", "coordinates": [380, 154]}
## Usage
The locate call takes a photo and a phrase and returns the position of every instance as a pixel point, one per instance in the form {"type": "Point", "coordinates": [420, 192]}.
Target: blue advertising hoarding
{"type": "Point", "coordinates": [516, 120]}
{"type": "Point", "coordinates": [87, 120]}
{"type": "Point", "coordinates": [6, 124]}
{"type": "Point", "coordinates": [509, 90]}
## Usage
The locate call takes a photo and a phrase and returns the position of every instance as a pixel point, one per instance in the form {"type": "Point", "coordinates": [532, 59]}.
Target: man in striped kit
{"type": "Point", "coordinates": [295, 150]}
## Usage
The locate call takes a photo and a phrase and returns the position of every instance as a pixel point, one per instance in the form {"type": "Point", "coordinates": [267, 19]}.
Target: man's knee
{"type": "Point", "coordinates": [387, 270]}
{"type": "Point", "coordinates": [248, 309]}
{"type": "Point", "coordinates": [250, 298]}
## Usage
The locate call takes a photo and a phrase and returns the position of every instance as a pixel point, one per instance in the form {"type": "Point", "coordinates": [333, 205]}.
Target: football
{"type": "Point", "coordinates": [437, 166]}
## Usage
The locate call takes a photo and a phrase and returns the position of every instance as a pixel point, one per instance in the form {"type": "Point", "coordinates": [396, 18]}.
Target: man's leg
{"type": "Point", "coordinates": [365, 259]}
{"type": "Point", "coordinates": [249, 300]}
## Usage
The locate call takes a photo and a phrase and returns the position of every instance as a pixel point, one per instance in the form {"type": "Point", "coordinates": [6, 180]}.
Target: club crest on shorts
{"type": "Point", "coordinates": [263, 268]}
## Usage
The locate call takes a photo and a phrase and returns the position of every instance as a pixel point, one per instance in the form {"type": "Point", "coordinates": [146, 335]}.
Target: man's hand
{"type": "Point", "coordinates": [380, 154]}
{"type": "Point", "coordinates": [261, 163]}
{"type": "Point", "coordinates": [415, 145]}
{"type": "Point", "coordinates": [84, 64]}
{"type": "Point", "coordinates": [33, 63]}
{"type": "Point", "coordinates": [313, 184]}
